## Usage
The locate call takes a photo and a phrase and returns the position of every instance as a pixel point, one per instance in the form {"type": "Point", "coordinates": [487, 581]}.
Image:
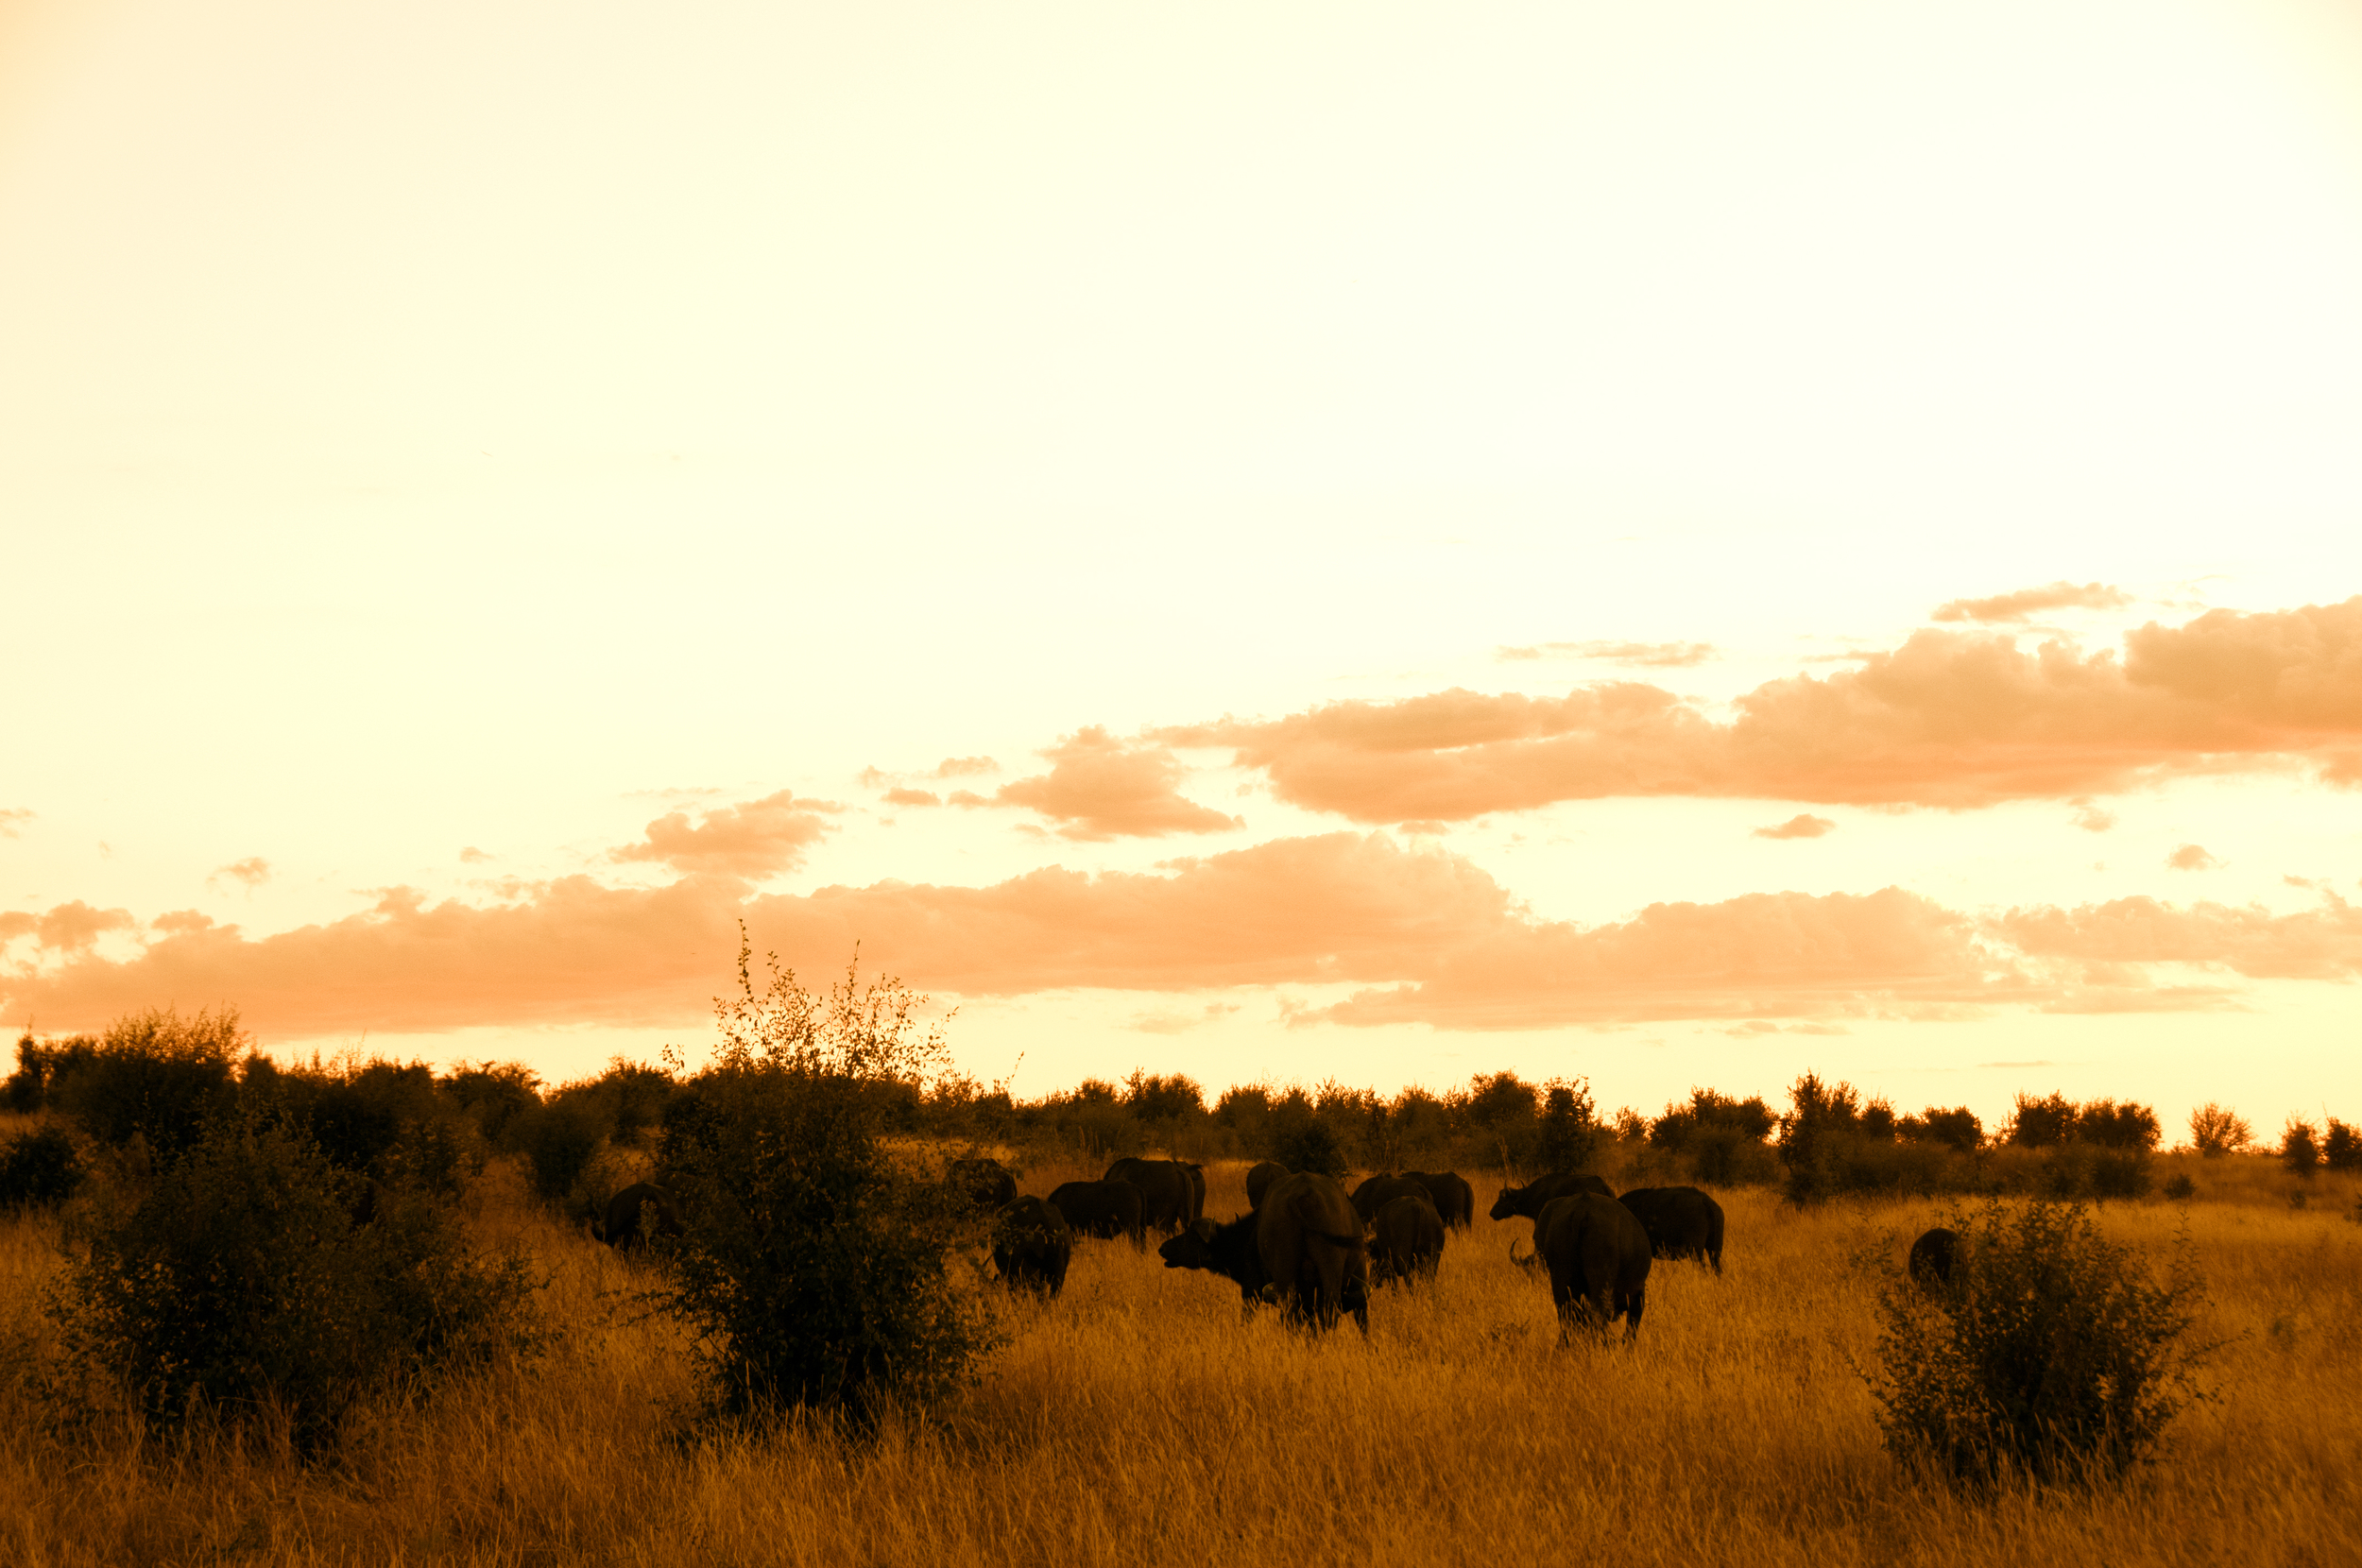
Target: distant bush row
{"type": "Point", "coordinates": [153, 1078]}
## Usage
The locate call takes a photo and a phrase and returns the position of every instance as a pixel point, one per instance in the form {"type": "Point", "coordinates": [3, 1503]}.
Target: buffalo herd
{"type": "Point", "coordinates": [1312, 1249]}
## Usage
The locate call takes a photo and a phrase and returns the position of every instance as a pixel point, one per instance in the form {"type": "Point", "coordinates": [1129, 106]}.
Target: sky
{"type": "Point", "coordinates": [1671, 545]}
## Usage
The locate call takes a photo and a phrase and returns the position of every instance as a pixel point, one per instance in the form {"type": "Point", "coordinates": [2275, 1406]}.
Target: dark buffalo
{"type": "Point", "coordinates": [1406, 1241]}
{"type": "Point", "coordinates": [1302, 1245]}
{"type": "Point", "coordinates": [1599, 1261]}
{"type": "Point", "coordinates": [1681, 1223]}
{"type": "Point", "coordinates": [1031, 1246]}
{"type": "Point", "coordinates": [1934, 1256]}
{"type": "Point", "coordinates": [1197, 1189]}
{"type": "Point", "coordinates": [1454, 1199]}
{"type": "Point", "coordinates": [1260, 1180]}
{"type": "Point", "coordinates": [1102, 1209]}
{"type": "Point", "coordinates": [640, 1212]}
{"type": "Point", "coordinates": [983, 1181]}
{"type": "Point", "coordinates": [1166, 1191]}
{"type": "Point", "coordinates": [1378, 1192]}
{"type": "Point", "coordinates": [1529, 1201]}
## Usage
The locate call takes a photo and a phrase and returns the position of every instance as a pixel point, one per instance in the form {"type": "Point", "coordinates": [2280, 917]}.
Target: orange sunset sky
{"type": "Point", "coordinates": [1673, 543]}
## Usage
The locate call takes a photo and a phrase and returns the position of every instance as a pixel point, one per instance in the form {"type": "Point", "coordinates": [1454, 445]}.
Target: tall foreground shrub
{"type": "Point", "coordinates": [818, 1267]}
{"type": "Point", "coordinates": [239, 1279]}
{"type": "Point", "coordinates": [2050, 1351]}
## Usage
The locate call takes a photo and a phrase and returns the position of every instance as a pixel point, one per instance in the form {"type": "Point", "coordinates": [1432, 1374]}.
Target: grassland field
{"type": "Point", "coordinates": [1138, 1419]}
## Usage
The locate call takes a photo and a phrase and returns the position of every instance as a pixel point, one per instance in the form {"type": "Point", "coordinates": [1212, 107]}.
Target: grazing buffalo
{"type": "Point", "coordinates": [983, 1181]}
{"type": "Point", "coordinates": [1529, 1201]}
{"type": "Point", "coordinates": [1406, 1241]}
{"type": "Point", "coordinates": [1454, 1199]}
{"type": "Point", "coordinates": [1303, 1245]}
{"type": "Point", "coordinates": [1681, 1223]}
{"type": "Point", "coordinates": [1260, 1180]}
{"type": "Point", "coordinates": [1599, 1261]}
{"type": "Point", "coordinates": [1197, 1189]}
{"type": "Point", "coordinates": [1378, 1192]}
{"type": "Point", "coordinates": [1102, 1209]}
{"type": "Point", "coordinates": [1031, 1246]}
{"type": "Point", "coordinates": [1167, 1193]}
{"type": "Point", "coordinates": [1934, 1256]}
{"type": "Point", "coordinates": [636, 1215]}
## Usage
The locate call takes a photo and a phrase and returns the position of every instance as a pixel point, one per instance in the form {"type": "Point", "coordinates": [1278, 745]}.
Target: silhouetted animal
{"type": "Point", "coordinates": [640, 1211]}
{"type": "Point", "coordinates": [1406, 1241]}
{"type": "Point", "coordinates": [1681, 1223]}
{"type": "Point", "coordinates": [1303, 1246]}
{"type": "Point", "coordinates": [1260, 1178]}
{"type": "Point", "coordinates": [1197, 1189]}
{"type": "Point", "coordinates": [1454, 1199]}
{"type": "Point", "coordinates": [1102, 1209]}
{"type": "Point", "coordinates": [1529, 1199]}
{"type": "Point", "coordinates": [1934, 1256]}
{"type": "Point", "coordinates": [983, 1181]}
{"type": "Point", "coordinates": [1167, 1190]}
{"type": "Point", "coordinates": [1378, 1192]}
{"type": "Point", "coordinates": [1030, 1245]}
{"type": "Point", "coordinates": [1598, 1262]}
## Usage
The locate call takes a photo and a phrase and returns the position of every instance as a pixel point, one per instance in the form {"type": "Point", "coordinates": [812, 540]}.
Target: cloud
{"type": "Point", "coordinates": [2192, 856]}
{"type": "Point", "coordinates": [253, 871]}
{"type": "Point", "coordinates": [913, 797]}
{"type": "Point", "coordinates": [1101, 788]}
{"type": "Point", "coordinates": [2323, 942]}
{"type": "Point", "coordinates": [70, 929]}
{"type": "Point", "coordinates": [2026, 601]}
{"type": "Point", "coordinates": [1409, 935]}
{"type": "Point", "coordinates": [1426, 935]}
{"type": "Point", "coordinates": [472, 856]}
{"type": "Point", "coordinates": [2090, 819]}
{"type": "Point", "coordinates": [1949, 719]}
{"type": "Point", "coordinates": [1799, 826]}
{"type": "Point", "coordinates": [1663, 654]}
{"type": "Point", "coordinates": [965, 767]}
{"type": "Point", "coordinates": [13, 818]}
{"type": "Point", "coordinates": [754, 840]}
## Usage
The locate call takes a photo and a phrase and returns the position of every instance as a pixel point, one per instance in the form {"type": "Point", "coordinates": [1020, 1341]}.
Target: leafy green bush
{"type": "Point", "coordinates": [39, 1168]}
{"type": "Point", "coordinates": [2300, 1147]}
{"type": "Point", "coordinates": [1302, 1140]}
{"type": "Point", "coordinates": [2180, 1187]}
{"type": "Point", "coordinates": [2341, 1147]}
{"type": "Point", "coordinates": [817, 1268]}
{"type": "Point", "coordinates": [2050, 1352]}
{"type": "Point", "coordinates": [154, 1075]}
{"type": "Point", "coordinates": [491, 1093]}
{"type": "Point", "coordinates": [238, 1281]}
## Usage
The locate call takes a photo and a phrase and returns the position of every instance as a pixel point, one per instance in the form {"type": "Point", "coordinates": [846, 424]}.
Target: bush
{"type": "Point", "coordinates": [2050, 1352]}
{"type": "Point", "coordinates": [558, 1143]}
{"type": "Point", "coordinates": [1958, 1129]}
{"type": "Point", "coordinates": [2041, 1123]}
{"type": "Point", "coordinates": [39, 1168]}
{"type": "Point", "coordinates": [1568, 1132]}
{"type": "Point", "coordinates": [2114, 1124]}
{"type": "Point", "coordinates": [2216, 1131]}
{"type": "Point", "coordinates": [491, 1093]}
{"type": "Point", "coordinates": [239, 1281]}
{"type": "Point", "coordinates": [2300, 1149]}
{"type": "Point", "coordinates": [2180, 1187]}
{"type": "Point", "coordinates": [2341, 1148]}
{"type": "Point", "coordinates": [154, 1075]}
{"type": "Point", "coordinates": [1300, 1140]}
{"type": "Point", "coordinates": [817, 1268]}
{"type": "Point", "coordinates": [2121, 1172]}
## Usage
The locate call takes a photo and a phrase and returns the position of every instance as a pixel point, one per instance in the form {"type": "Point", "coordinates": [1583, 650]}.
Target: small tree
{"type": "Point", "coordinates": [2342, 1150]}
{"type": "Point", "coordinates": [817, 1266]}
{"type": "Point", "coordinates": [2049, 1350]}
{"type": "Point", "coordinates": [2300, 1147]}
{"type": "Point", "coordinates": [2216, 1131]}
{"type": "Point", "coordinates": [2044, 1123]}
{"type": "Point", "coordinates": [1568, 1132]}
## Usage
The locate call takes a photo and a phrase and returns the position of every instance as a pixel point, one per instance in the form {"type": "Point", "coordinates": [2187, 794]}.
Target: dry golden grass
{"type": "Point", "coordinates": [1137, 1421]}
